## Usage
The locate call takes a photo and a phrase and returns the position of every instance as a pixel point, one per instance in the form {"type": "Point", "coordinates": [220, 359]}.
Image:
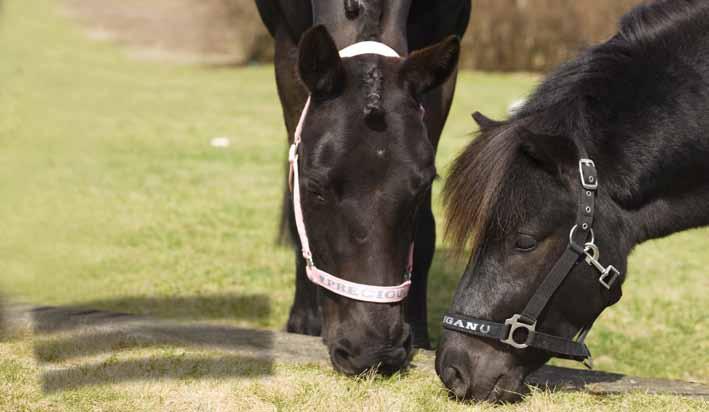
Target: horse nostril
{"type": "Point", "coordinates": [342, 360]}
{"type": "Point", "coordinates": [393, 362]}
{"type": "Point", "coordinates": [456, 381]}
{"type": "Point", "coordinates": [342, 355]}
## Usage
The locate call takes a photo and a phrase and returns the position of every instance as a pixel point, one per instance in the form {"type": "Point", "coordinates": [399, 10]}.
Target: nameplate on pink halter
{"type": "Point", "coordinates": [358, 291]}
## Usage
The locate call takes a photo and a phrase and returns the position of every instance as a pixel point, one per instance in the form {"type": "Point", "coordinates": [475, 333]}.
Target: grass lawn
{"type": "Point", "coordinates": [113, 198]}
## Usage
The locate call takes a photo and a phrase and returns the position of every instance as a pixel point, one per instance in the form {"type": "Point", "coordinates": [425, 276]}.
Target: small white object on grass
{"type": "Point", "coordinates": [220, 142]}
{"type": "Point", "coordinates": [514, 107]}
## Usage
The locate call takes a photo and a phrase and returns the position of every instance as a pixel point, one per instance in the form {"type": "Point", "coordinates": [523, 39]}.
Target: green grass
{"type": "Point", "coordinates": [113, 198]}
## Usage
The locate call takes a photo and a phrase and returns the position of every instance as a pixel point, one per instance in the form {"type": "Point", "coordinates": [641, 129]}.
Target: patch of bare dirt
{"type": "Point", "coordinates": [183, 31]}
{"type": "Point", "coordinates": [527, 35]}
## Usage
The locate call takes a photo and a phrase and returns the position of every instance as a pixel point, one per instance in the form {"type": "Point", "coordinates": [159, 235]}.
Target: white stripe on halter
{"type": "Point", "coordinates": [368, 47]}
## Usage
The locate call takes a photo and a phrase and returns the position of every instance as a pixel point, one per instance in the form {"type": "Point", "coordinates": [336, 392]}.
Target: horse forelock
{"type": "Point", "coordinates": [374, 87]}
{"type": "Point", "coordinates": [477, 195]}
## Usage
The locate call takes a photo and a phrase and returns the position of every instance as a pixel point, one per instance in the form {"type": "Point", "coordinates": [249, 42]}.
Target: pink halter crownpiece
{"type": "Point", "coordinates": [342, 287]}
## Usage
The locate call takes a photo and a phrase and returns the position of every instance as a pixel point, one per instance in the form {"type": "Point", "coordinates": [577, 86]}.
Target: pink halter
{"type": "Point", "coordinates": [352, 290]}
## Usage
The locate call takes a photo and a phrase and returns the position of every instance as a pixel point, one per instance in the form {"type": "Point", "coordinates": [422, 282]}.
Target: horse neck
{"type": "Point", "coordinates": [658, 176]}
{"type": "Point", "coordinates": [378, 20]}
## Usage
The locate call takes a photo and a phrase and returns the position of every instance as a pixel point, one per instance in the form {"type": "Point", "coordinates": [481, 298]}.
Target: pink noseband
{"type": "Point", "coordinates": [352, 290]}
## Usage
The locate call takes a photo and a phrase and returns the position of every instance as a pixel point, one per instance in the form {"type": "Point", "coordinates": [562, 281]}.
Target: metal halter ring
{"type": "Point", "coordinates": [573, 230]}
{"type": "Point", "coordinates": [515, 324]}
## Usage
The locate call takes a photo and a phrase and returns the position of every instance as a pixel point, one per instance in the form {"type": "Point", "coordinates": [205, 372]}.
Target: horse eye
{"type": "Point", "coordinates": [525, 243]}
{"type": "Point", "coordinates": [318, 196]}
{"type": "Point", "coordinates": [315, 190]}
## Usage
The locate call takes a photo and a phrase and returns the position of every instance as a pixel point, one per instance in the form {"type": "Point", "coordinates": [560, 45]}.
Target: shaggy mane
{"type": "Point", "coordinates": [655, 41]}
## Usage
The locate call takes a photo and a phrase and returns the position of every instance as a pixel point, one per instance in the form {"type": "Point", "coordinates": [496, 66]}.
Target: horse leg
{"type": "Point", "coordinates": [416, 310]}
{"type": "Point", "coordinates": [305, 316]}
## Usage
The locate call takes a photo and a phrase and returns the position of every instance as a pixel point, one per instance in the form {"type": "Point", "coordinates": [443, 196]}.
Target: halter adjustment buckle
{"type": "Point", "coordinates": [308, 257]}
{"type": "Point", "coordinates": [588, 182]}
{"type": "Point", "coordinates": [514, 324]}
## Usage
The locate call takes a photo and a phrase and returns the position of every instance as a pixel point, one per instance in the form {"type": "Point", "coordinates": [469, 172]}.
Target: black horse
{"type": "Point", "coordinates": [367, 161]}
{"type": "Point", "coordinates": [636, 105]}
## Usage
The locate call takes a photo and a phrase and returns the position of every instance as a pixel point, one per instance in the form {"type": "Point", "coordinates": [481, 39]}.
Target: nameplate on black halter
{"type": "Point", "coordinates": [471, 326]}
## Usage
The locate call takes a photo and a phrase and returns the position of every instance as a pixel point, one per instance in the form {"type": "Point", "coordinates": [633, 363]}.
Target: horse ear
{"type": "Point", "coordinates": [428, 68]}
{"type": "Point", "coordinates": [319, 64]}
{"type": "Point", "coordinates": [552, 153]}
{"type": "Point", "coordinates": [485, 122]}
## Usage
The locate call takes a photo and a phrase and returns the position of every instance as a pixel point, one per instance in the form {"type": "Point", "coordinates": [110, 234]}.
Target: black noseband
{"type": "Point", "coordinates": [526, 321]}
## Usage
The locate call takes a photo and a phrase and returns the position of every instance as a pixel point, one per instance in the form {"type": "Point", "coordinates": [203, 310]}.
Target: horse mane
{"type": "Point", "coordinates": [371, 20]}
{"type": "Point", "coordinates": [352, 8]}
{"type": "Point", "coordinates": [650, 22]}
{"type": "Point", "coordinates": [576, 101]}
{"type": "Point", "coordinates": [372, 13]}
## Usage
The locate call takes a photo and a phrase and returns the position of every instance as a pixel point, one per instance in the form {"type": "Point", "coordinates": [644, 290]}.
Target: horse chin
{"type": "Point", "coordinates": [477, 370]}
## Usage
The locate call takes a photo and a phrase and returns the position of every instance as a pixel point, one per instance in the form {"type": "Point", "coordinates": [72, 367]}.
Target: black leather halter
{"type": "Point", "coordinates": [579, 246]}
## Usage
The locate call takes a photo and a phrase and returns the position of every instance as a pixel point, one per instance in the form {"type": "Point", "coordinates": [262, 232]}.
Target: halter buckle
{"type": "Point", "coordinates": [515, 324]}
{"type": "Point", "coordinates": [588, 182]}
{"type": "Point", "coordinates": [308, 258]}
{"type": "Point", "coordinates": [609, 276]}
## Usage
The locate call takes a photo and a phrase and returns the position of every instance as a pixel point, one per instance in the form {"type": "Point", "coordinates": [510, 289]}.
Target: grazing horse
{"type": "Point", "coordinates": [365, 164]}
{"type": "Point", "coordinates": [611, 150]}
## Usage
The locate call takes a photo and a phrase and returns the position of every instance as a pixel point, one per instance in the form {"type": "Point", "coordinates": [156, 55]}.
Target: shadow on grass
{"type": "Point", "coordinates": [72, 333]}
{"type": "Point", "coordinates": [253, 308]}
{"type": "Point", "coordinates": [146, 335]}
{"type": "Point", "coordinates": [555, 378]}
{"type": "Point", "coordinates": [176, 368]}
